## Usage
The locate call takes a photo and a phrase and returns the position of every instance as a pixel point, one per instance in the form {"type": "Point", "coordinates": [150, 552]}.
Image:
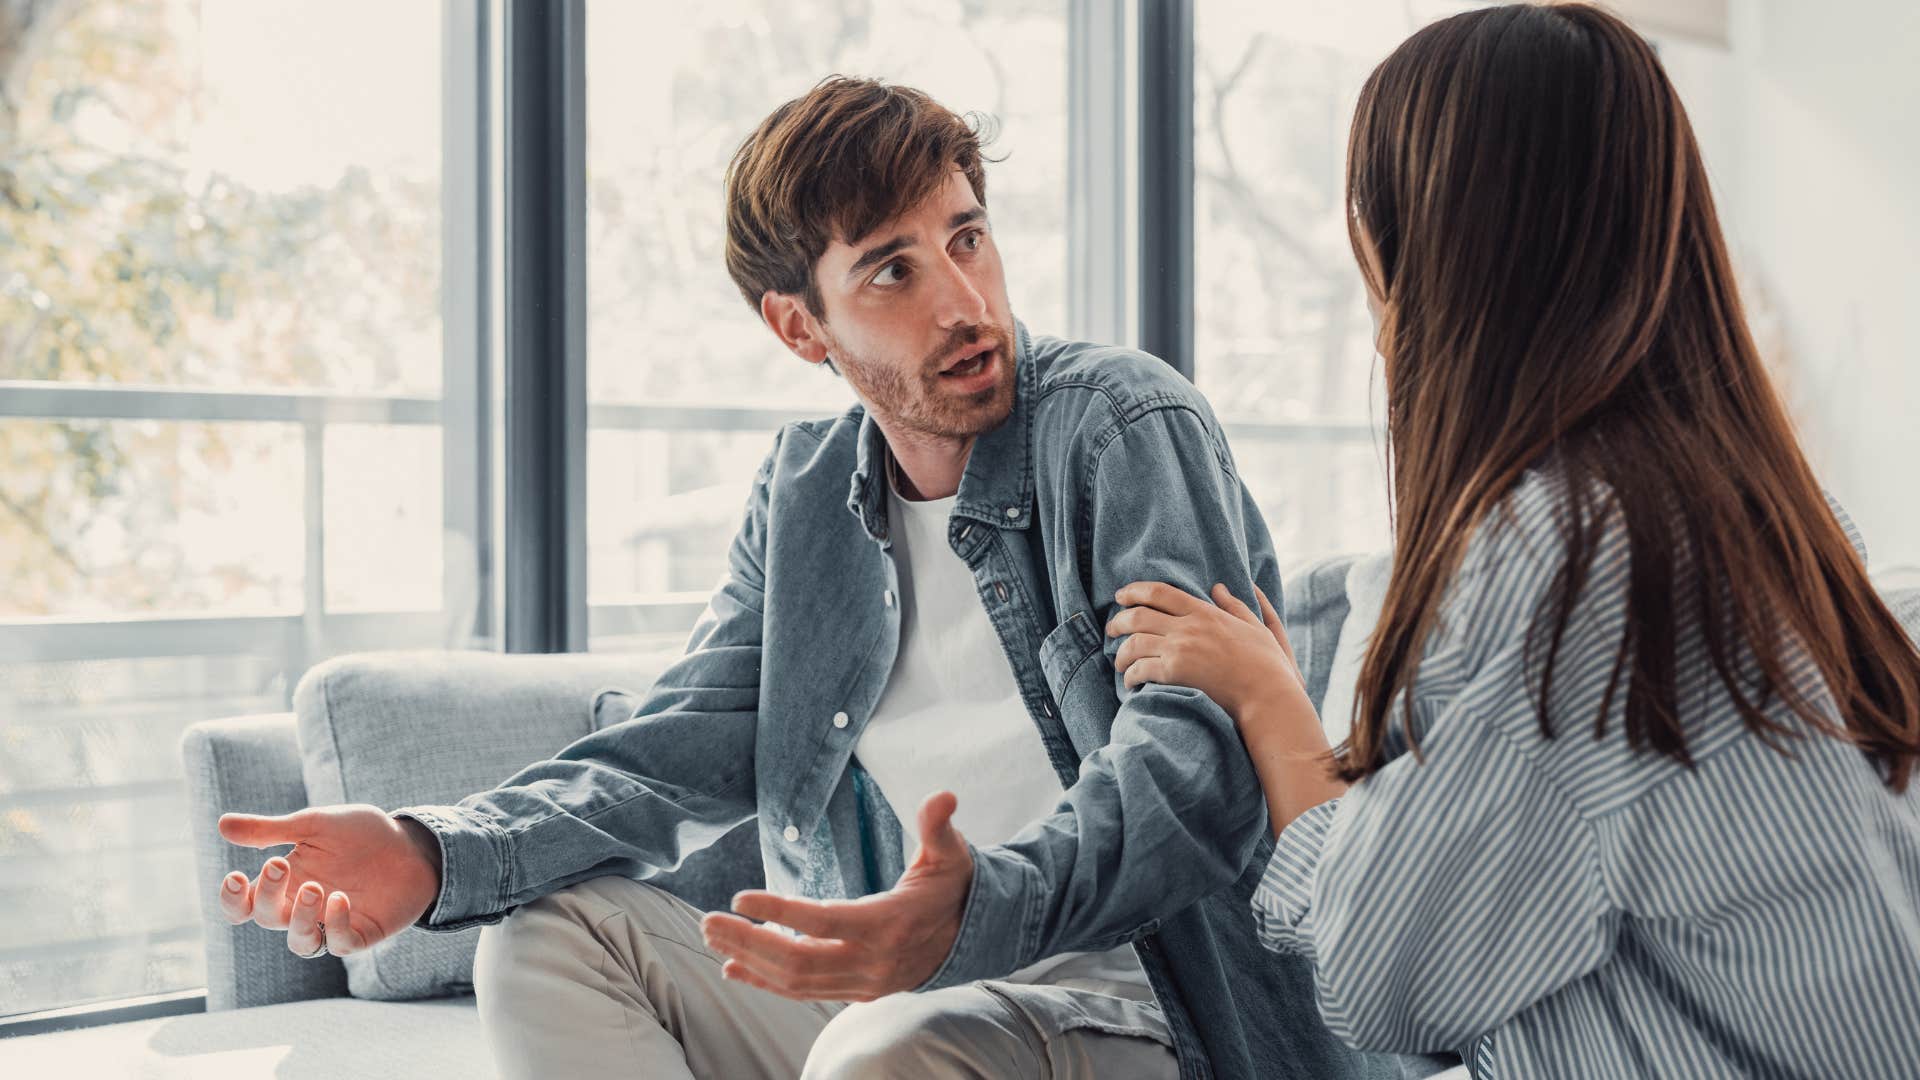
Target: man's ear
{"type": "Point", "coordinates": [796, 327]}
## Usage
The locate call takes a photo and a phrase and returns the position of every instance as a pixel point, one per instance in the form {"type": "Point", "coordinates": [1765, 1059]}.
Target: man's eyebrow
{"type": "Point", "coordinates": [874, 256]}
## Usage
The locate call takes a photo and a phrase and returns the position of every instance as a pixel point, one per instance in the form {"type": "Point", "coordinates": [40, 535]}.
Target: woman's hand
{"type": "Point", "coordinates": [1221, 649]}
{"type": "Point", "coordinates": [1245, 663]}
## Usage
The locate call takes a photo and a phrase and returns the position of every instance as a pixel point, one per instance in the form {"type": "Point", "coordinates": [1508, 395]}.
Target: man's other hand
{"type": "Point", "coordinates": [364, 875]}
{"type": "Point", "coordinates": [855, 950]}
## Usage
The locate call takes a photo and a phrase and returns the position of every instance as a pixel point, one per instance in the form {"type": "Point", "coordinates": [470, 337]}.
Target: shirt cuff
{"type": "Point", "coordinates": [1285, 893]}
{"type": "Point", "coordinates": [999, 923]}
{"type": "Point", "coordinates": [473, 867]}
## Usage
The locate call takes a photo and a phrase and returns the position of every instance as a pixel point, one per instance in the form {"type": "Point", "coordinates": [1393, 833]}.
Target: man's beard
{"type": "Point", "coordinates": [917, 399]}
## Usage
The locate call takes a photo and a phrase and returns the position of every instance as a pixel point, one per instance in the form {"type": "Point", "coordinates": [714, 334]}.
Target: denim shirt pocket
{"type": "Point", "coordinates": [1073, 660]}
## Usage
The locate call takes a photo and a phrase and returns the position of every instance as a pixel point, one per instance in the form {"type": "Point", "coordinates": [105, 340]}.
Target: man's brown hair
{"type": "Point", "coordinates": [836, 163]}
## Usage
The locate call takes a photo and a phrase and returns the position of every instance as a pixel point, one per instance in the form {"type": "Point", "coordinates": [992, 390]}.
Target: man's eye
{"type": "Point", "coordinates": [973, 240]}
{"type": "Point", "coordinates": [890, 274]}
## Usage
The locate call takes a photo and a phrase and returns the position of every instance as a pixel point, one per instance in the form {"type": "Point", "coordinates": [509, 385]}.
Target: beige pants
{"type": "Point", "coordinates": [611, 978]}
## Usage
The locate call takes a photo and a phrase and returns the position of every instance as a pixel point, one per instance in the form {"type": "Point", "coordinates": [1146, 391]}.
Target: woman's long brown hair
{"type": "Point", "coordinates": [1526, 194]}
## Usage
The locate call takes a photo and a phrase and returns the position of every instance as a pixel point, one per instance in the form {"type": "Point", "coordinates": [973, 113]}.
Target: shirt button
{"type": "Point", "coordinates": [792, 834]}
{"type": "Point", "coordinates": [1000, 590]}
{"type": "Point", "coordinates": [839, 719]}
{"type": "Point", "coordinates": [887, 597]}
{"type": "Point", "coordinates": [1013, 512]}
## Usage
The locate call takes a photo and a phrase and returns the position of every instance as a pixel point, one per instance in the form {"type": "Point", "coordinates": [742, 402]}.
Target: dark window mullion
{"type": "Point", "coordinates": [546, 392]}
{"type": "Point", "coordinates": [1166, 181]}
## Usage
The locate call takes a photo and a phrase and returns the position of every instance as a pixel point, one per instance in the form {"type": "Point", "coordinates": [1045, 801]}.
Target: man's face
{"type": "Point", "coordinates": [916, 318]}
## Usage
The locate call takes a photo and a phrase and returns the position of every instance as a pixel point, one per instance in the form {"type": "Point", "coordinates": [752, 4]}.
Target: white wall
{"type": "Point", "coordinates": [1811, 127]}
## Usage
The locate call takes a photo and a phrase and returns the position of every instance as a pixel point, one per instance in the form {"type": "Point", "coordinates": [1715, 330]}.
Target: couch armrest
{"type": "Point", "coordinates": [249, 764]}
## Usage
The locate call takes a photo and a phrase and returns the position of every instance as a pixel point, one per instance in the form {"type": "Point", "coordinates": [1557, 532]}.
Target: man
{"type": "Point", "coordinates": [913, 612]}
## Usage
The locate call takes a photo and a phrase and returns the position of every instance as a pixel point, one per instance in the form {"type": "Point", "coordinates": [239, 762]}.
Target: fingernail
{"type": "Point", "coordinates": [310, 894]}
{"type": "Point", "coordinates": [235, 884]}
{"type": "Point", "coordinates": [275, 871]}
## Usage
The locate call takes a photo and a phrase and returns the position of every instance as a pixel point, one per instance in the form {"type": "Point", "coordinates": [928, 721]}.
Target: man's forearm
{"type": "Point", "coordinates": [1168, 813]}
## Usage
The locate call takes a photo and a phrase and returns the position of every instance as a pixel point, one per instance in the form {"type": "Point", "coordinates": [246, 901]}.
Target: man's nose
{"type": "Point", "coordinates": [960, 302]}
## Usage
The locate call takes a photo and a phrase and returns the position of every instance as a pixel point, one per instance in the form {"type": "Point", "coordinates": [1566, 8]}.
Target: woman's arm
{"type": "Point", "coordinates": [1295, 770]}
{"type": "Point", "coordinates": [1245, 663]}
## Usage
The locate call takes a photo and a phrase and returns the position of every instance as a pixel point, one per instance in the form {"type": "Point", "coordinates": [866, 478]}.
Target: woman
{"type": "Point", "coordinates": [1633, 738]}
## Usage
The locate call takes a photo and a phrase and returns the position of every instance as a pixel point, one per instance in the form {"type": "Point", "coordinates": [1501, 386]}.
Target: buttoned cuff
{"type": "Point", "coordinates": [473, 867]}
{"type": "Point", "coordinates": [1285, 894]}
{"type": "Point", "coordinates": [1000, 924]}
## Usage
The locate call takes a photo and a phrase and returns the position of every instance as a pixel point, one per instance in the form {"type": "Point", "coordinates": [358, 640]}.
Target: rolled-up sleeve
{"type": "Point", "coordinates": [1285, 892]}
{"type": "Point", "coordinates": [637, 797]}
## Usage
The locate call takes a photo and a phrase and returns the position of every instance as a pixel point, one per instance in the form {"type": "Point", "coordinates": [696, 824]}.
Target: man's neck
{"type": "Point", "coordinates": [926, 466]}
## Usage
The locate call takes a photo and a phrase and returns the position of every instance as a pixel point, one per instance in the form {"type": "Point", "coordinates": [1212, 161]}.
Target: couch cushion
{"type": "Point", "coordinates": [1313, 604]}
{"type": "Point", "coordinates": [1366, 585]}
{"type": "Point", "coordinates": [401, 729]}
{"type": "Point", "coordinates": [303, 1040]}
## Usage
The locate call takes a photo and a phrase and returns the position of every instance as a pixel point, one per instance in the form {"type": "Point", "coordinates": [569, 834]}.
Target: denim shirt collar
{"type": "Point", "coordinates": [997, 487]}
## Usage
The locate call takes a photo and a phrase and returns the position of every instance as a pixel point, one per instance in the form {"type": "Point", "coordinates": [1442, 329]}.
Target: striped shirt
{"type": "Point", "coordinates": [1567, 907]}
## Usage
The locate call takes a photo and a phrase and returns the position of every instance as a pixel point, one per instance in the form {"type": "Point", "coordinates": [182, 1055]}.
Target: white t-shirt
{"type": "Point", "coordinates": [951, 719]}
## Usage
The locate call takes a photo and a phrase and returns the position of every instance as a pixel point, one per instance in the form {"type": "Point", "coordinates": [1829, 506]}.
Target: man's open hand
{"type": "Point", "coordinates": [365, 875]}
{"type": "Point", "coordinates": [855, 950]}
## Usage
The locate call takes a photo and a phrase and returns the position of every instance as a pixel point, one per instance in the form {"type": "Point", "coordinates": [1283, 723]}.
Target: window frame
{"type": "Point", "coordinates": [463, 412]}
{"type": "Point", "coordinates": [1130, 217]}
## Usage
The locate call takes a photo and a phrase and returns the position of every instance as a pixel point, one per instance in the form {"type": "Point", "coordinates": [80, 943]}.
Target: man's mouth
{"type": "Point", "coordinates": [971, 363]}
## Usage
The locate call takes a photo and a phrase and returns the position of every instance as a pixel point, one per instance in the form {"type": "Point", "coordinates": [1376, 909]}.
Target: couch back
{"type": "Point", "coordinates": [395, 728]}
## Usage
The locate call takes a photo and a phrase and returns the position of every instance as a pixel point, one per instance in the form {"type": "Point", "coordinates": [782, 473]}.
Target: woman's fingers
{"type": "Point", "coordinates": [1148, 670]}
{"type": "Point", "coordinates": [1224, 599]}
{"type": "Point", "coordinates": [1136, 648]}
{"type": "Point", "coordinates": [1271, 619]}
{"type": "Point", "coordinates": [270, 900]}
{"type": "Point", "coordinates": [1160, 596]}
{"type": "Point", "coordinates": [303, 929]}
{"type": "Point", "coordinates": [1278, 628]}
{"type": "Point", "coordinates": [1140, 620]}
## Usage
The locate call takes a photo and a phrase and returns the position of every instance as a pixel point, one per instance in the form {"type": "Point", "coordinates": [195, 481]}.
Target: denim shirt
{"type": "Point", "coordinates": [1111, 468]}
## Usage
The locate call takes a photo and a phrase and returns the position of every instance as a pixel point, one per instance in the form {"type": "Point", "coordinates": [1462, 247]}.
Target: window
{"type": "Point", "coordinates": [686, 385]}
{"type": "Point", "coordinates": [228, 441]}
{"type": "Point", "coordinates": [248, 400]}
{"type": "Point", "coordinates": [1283, 340]}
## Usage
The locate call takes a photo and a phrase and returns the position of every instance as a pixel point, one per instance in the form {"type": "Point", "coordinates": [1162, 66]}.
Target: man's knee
{"type": "Point", "coordinates": [905, 1035]}
{"type": "Point", "coordinates": [512, 949]}
{"type": "Point", "coordinates": [559, 931]}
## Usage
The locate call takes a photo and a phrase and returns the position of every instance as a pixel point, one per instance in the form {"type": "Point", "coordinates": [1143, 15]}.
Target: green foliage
{"type": "Point", "coordinates": [120, 263]}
